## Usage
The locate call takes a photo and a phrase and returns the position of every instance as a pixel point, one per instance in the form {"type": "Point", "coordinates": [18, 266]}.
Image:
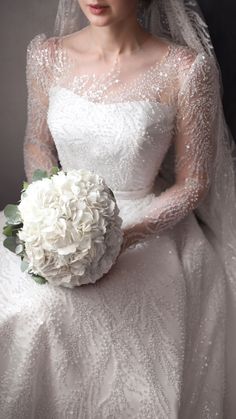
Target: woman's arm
{"type": "Point", "coordinates": [194, 153]}
{"type": "Point", "coordinates": [39, 148]}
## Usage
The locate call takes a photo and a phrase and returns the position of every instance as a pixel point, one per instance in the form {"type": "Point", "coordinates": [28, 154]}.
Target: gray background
{"type": "Point", "coordinates": [21, 20]}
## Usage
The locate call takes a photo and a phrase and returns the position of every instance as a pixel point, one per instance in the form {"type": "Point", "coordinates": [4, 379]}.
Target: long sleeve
{"type": "Point", "coordinates": [194, 152]}
{"type": "Point", "coordinates": [39, 148]}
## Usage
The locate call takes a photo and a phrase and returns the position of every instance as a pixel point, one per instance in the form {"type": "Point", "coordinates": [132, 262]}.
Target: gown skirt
{"type": "Point", "coordinates": [145, 341]}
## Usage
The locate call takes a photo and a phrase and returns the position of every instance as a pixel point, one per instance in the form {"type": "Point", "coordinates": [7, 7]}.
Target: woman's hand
{"type": "Point", "coordinates": [134, 234]}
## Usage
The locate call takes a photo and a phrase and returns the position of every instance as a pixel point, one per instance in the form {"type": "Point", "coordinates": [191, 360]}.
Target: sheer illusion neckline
{"type": "Point", "coordinates": [156, 65]}
{"type": "Point", "coordinates": [152, 103]}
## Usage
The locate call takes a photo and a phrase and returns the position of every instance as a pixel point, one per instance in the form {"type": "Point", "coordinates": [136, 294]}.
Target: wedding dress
{"type": "Point", "coordinates": [148, 339]}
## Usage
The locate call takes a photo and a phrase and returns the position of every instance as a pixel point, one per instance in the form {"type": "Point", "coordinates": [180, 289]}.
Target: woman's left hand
{"type": "Point", "coordinates": [135, 234]}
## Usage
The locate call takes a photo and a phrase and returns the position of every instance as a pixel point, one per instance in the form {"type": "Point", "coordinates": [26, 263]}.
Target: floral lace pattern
{"type": "Point", "coordinates": [148, 339]}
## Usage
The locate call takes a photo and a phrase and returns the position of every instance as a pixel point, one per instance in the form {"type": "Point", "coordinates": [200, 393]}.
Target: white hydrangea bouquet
{"type": "Point", "coordinates": [66, 227]}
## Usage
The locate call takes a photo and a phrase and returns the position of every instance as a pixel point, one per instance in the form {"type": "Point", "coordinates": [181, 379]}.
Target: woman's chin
{"type": "Point", "coordinates": [99, 20]}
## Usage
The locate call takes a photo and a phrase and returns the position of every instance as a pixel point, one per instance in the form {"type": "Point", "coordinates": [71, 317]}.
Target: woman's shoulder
{"type": "Point", "coordinates": [182, 56]}
{"type": "Point", "coordinates": [42, 49]}
{"type": "Point", "coordinates": [48, 50]}
{"type": "Point", "coordinates": [185, 60]}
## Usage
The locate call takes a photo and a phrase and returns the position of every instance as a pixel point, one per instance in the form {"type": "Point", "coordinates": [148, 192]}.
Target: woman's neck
{"type": "Point", "coordinates": [116, 40]}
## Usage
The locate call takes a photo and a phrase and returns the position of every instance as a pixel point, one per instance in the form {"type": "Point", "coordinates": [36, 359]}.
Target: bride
{"type": "Point", "coordinates": [130, 90]}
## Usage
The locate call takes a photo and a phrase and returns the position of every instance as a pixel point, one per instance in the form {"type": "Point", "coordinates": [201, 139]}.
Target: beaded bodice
{"type": "Point", "coordinates": [121, 124]}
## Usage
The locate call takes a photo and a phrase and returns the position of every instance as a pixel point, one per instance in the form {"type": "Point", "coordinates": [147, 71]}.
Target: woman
{"type": "Point", "coordinates": [152, 338]}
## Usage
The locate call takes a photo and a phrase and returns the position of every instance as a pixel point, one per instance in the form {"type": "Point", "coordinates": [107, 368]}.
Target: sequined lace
{"type": "Point", "coordinates": [148, 339]}
{"type": "Point", "coordinates": [170, 103]}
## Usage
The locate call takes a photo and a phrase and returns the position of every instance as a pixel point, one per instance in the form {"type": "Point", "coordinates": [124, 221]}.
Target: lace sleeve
{"type": "Point", "coordinates": [39, 148]}
{"type": "Point", "coordinates": [194, 151]}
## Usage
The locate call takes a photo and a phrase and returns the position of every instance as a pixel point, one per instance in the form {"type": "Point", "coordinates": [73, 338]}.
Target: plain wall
{"type": "Point", "coordinates": [20, 21]}
{"type": "Point", "coordinates": [220, 16]}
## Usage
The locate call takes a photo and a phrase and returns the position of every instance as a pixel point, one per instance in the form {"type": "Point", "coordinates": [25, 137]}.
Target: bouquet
{"type": "Point", "coordinates": [66, 227]}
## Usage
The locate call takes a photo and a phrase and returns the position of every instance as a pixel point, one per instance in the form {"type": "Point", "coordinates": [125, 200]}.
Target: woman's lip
{"type": "Point", "coordinates": [97, 6]}
{"type": "Point", "coordinates": [97, 9]}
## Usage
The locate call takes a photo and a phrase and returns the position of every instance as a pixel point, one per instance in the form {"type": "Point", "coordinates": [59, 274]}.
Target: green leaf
{"type": "Point", "coordinates": [10, 230]}
{"type": "Point", "coordinates": [19, 249]}
{"type": "Point", "coordinates": [10, 243]}
{"type": "Point", "coordinates": [25, 185]}
{"type": "Point", "coordinates": [39, 175]}
{"type": "Point", "coordinates": [12, 214]}
{"type": "Point", "coordinates": [39, 279]}
{"type": "Point", "coordinates": [7, 230]}
{"type": "Point", "coordinates": [54, 170]}
{"type": "Point", "coordinates": [24, 265]}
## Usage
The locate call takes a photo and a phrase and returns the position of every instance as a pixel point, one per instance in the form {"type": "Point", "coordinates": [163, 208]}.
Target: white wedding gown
{"type": "Point", "coordinates": [148, 339]}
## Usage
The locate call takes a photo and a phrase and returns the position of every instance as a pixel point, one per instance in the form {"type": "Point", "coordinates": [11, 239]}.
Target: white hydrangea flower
{"type": "Point", "coordinates": [71, 227]}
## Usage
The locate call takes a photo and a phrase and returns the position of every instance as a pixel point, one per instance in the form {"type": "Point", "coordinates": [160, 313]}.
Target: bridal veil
{"type": "Point", "coordinates": [182, 22]}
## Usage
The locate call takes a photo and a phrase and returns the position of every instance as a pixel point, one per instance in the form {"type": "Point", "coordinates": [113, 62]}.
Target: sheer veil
{"type": "Point", "coordinates": [182, 22]}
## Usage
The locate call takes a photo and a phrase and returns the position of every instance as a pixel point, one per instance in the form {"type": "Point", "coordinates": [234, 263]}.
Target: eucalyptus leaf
{"type": "Point", "coordinates": [12, 214]}
{"type": "Point", "coordinates": [39, 175]}
{"type": "Point", "coordinates": [19, 249]}
{"type": "Point", "coordinates": [54, 170]}
{"type": "Point", "coordinates": [25, 185]}
{"type": "Point", "coordinates": [10, 230]}
{"type": "Point", "coordinates": [39, 279]}
{"type": "Point", "coordinates": [10, 243]}
{"type": "Point", "coordinates": [24, 265]}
